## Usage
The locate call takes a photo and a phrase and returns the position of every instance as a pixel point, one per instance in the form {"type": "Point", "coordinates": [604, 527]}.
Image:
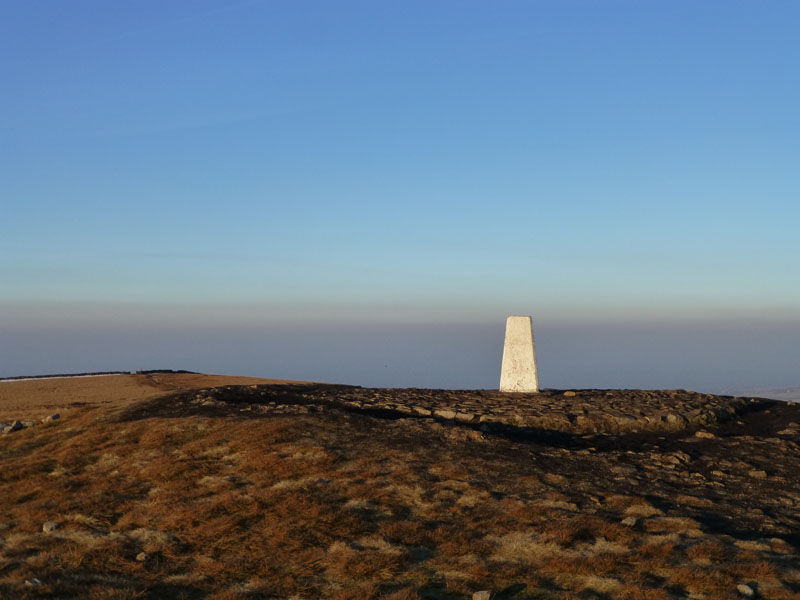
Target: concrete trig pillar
{"type": "Point", "coordinates": [518, 373]}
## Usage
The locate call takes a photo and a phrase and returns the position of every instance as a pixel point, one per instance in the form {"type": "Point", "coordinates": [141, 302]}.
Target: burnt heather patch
{"type": "Point", "coordinates": [339, 492]}
{"type": "Point", "coordinates": [572, 411]}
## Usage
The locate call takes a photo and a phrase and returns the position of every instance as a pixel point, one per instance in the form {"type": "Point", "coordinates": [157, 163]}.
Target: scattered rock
{"type": "Point", "coordinates": [50, 418]}
{"type": "Point", "coordinates": [482, 595]}
{"type": "Point", "coordinates": [33, 582]}
{"type": "Point", "coordinates": [629, 521]}
{"type": "Point", "coordinates": [780, 546]}
{"type": "Point", "coordinates": [745, 590]}
{"type": "Point", "coordinates": [704, 434]}
{"type": "Point", "coordinates": [757, 474]}
{"type": "Point", "coordinates": [49, 526]}
{"type": "Point", "coordinates": [446, 414]}
{"type": "Point", "coordinates": [582, 411]}
{"type": "Point", "coordinates": [142, 557]}
{"type": "Point", "coordinates": [15, 426]}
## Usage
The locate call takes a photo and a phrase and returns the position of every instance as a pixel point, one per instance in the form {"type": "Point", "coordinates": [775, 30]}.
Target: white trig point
{"type": "Point", "coordinates": [518, 373]}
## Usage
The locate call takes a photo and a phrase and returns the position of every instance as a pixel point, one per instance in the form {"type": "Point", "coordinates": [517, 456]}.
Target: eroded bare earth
{"type": "Point", "coordinates": [279, 491]}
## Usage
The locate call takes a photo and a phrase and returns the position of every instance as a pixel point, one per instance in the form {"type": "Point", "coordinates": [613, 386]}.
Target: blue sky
{"type": "Point", "coordinates": [329, 166]}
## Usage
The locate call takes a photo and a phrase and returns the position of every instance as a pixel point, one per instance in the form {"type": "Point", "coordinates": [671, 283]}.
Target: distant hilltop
{"type": "Point", "coordinates": [97, 374]}
{"type": "Point", "coordinates": [791, 394]}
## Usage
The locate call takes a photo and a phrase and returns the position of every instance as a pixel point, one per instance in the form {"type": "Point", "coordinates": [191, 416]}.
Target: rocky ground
{"type": "Point", "coordinates": [738, 456]}
{"type": "Point", "coordinates": [574, 411]}
{"type": "Point", "coordinates": [311, 491]}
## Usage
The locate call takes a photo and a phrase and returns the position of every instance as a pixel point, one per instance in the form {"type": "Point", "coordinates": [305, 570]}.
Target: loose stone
{"type": "Point", "coordinates": [15, 426]}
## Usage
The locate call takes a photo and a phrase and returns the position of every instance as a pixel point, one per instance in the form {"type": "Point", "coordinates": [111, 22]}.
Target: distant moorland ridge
{"type": "Point", "coordinates": [90, 373]}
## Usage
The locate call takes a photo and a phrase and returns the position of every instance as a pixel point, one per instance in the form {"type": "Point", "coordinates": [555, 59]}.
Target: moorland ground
{"type": "Point", "coordinates": [208, 489]}
{"type": "Point", "coordinates": [31, 398]}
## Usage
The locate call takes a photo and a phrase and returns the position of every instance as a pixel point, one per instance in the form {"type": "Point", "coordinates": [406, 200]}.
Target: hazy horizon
{"type": "Point", "coordinates": [718, 354]}
{"type": "Point", "coordinates": [362, 192]}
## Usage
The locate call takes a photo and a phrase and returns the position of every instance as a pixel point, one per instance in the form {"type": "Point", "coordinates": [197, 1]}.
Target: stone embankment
{"type": "Point", "coordinates": [572, 411]}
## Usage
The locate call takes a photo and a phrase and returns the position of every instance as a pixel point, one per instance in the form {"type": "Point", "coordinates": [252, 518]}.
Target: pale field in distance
{"type": "Point", "coordinates": [36, 398]}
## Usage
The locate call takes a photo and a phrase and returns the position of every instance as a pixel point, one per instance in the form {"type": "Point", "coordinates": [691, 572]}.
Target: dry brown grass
{"type": "Point", "coordinates": [36, 398]}
{"type": "Point", "coordinates": [323, 506]}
